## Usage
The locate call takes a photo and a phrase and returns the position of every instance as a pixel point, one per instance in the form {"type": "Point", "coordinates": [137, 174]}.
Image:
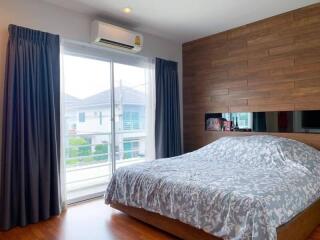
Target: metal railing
{"type": "Point", "coordinates": [92, 176]}
{"type": "Point", "coordinates": [88, 153]}
{"type": "Point", "coordinates": [88, 167]}
{"type": "Point", "coordinates": [107, 164]}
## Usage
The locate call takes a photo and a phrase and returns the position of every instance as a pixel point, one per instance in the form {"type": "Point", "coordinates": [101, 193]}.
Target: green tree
{"type": "Point", "coordinates": [101, 149]}
{"type": "Point", "coordinates": [77, 150]}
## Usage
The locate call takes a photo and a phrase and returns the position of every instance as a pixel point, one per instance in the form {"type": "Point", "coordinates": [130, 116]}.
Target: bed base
{"type": "Point", "coordinates": [299, 228]}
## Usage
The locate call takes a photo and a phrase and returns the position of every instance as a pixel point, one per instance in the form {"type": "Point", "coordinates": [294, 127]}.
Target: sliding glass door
{"type": "Point", "coordinates": [105, 117]}
{"type": "Point", "coordinates": [87, 125]}
{"type": "Point", "coordinates": [130, 114]}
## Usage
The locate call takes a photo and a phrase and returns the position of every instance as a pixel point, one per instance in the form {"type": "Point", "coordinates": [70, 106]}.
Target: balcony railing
{"type": "Point", "coordinates": [89, 167]}
{"type": "Point", "coordinates": [92, 178]}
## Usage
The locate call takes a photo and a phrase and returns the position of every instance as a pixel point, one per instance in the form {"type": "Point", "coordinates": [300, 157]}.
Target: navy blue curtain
{"type": "Point", "coordinates": [167, 127]}
{"type": "Point", "coordinates": [30, 160]}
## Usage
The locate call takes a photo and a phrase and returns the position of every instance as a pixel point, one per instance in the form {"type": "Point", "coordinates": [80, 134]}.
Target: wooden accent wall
{"type": "Point", "coordinates": [269, 65]}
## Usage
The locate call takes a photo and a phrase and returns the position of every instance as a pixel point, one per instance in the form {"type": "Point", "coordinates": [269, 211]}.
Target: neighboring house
{"type": "Point", "coordinates": [90, 119]}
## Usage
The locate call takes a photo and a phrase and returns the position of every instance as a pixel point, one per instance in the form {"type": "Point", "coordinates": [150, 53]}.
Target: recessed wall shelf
{"type": "Point", "coordinates": [283, 121]}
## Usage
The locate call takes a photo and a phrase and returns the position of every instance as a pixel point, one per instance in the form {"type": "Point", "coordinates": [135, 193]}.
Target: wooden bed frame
{"type": "Point", "coordinates": [299, 228]}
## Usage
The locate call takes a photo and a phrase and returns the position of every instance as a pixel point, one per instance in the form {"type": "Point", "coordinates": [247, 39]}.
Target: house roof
{"type": "Point", "coordinates": [126, 95]}
{"type": "Point", "coordinates": [69, 100]}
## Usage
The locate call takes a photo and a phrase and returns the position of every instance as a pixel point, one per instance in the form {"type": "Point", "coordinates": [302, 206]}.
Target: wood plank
{"type": "Point", "coordinates": [313, 82]}
{"type": "Point", "coordinates": [89, 220]}
{"type": "Point", "coordinates": [306, 106]}
{"type": "Point", "coordinates": [263, 108]}
{"type": "Point", "coordinates": [313, 10]}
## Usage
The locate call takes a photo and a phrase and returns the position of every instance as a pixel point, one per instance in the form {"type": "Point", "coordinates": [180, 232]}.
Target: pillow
{"type": "Point", "coordinates": [302, 154]}
{"type": "Point", "coordinates": [263, 151]}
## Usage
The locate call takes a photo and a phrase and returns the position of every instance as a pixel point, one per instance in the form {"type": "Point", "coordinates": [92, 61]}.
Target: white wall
{"type": "Point", "coordinates": [68, 24]}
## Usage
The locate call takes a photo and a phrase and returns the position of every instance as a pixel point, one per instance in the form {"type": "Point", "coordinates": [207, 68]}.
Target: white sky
{"type": "Point", "coordinates": [84, 77]}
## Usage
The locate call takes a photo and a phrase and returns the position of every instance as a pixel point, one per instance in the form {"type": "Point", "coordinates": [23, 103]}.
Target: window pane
{"type": "Point", "coordinates": [82, 117]}
{"type": "Point", "coordinates": [130, 113]}
{"type": "Point", "coordinates": [87, 128]}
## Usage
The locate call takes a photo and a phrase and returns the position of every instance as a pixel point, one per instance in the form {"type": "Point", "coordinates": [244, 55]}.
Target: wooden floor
{"type": "Point", "coordinates": [93, 221]}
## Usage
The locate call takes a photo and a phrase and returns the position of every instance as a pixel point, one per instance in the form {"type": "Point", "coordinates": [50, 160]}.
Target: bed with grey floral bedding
{"type": "Point", "coordinates": [234, 188]}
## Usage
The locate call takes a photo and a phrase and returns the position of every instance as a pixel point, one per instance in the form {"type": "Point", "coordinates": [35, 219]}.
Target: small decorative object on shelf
{"type": "Point", "coordinates": [227, 125]}
{"type": "Point", "coordinates": [214, 124]}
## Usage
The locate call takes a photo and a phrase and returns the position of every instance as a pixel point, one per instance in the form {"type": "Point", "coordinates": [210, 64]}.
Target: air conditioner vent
{"type": "Point", "coordinates": [116, 44]}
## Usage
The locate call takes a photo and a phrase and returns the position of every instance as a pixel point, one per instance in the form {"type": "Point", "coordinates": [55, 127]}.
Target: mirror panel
{"type": "Point", "coordinates": [284, 121]}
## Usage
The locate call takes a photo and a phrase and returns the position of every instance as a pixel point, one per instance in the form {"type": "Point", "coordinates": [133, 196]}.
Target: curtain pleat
{"type": "Point", "coordinates": [167, 130]}
{"type": "Point", "coordinates": [30, 161]}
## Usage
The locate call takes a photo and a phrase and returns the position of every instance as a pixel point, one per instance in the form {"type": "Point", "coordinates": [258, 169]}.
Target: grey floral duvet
{"type": "Point", "coordinates": [234, 188]}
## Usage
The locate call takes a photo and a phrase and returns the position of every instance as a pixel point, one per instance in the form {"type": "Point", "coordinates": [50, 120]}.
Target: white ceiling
{"type": "Point", "coordinates": [183, 20]}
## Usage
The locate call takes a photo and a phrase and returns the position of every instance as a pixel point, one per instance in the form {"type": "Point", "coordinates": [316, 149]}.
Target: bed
{"type": "Point", "coordinates": [253, 187]}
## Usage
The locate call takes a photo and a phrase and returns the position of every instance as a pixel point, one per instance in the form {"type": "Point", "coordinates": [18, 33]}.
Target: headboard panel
{"type": "Point", "coordinates": [269, 65]}
{"type": "Point", "coordinates": [210, 136]}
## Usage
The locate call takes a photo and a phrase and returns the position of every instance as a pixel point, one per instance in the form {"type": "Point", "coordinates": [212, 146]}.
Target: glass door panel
{"type": "Point", "coordinates": [87, 125]}
{"type": "Point", "coordinates": [104, 116]}
{"type": "Point", "coordinates": [130, 98]}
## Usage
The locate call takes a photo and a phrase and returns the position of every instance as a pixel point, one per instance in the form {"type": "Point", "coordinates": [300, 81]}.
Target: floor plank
{"type": "Point", "coordinates": [93, 220]}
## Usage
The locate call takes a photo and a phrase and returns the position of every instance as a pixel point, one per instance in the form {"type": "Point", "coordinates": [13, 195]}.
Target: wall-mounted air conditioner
{"type": "Point", "coordinates": [109, 35]}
